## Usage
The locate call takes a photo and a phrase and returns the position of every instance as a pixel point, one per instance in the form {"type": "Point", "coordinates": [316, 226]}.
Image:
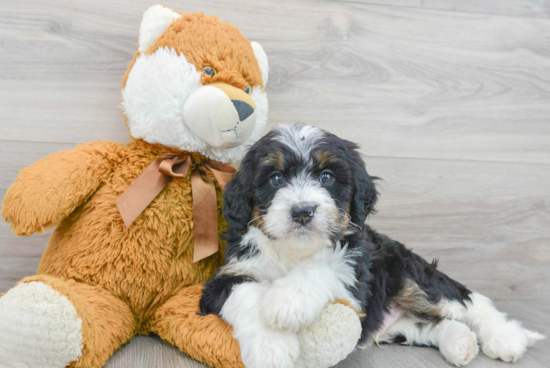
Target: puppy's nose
{"type": "Point", "coordinates": [243, 109]}
{"type": "Point", "coordinates": [302, 214]}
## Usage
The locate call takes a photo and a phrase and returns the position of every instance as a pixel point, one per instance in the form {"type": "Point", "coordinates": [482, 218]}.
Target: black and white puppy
{"type": "Point", "coordinates": [298, 240]}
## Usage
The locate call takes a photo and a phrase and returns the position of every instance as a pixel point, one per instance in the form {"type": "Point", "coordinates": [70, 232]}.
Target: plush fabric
{"type": "Point", "coordinates": [31, 313]}
{"type": "Point", "coordinates": [166, 78]}
{"type": "Point", "coordinates": [330, 338]}
{"type": "Point", "coordinates": [178, 323]}
{"type": "Point", "coordinates": [92, 258]}
{"type": "Point", "coordinates": [125, 281]}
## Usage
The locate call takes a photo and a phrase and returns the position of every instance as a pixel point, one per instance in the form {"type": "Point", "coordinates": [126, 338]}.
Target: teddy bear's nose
{"type": "Point", "coordinates": [222, 115]}
{"type": "Point", "coordinates": [243, 109]}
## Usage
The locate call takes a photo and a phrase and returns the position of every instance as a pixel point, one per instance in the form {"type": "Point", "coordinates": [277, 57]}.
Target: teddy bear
{"type": "Point", "coordinates": [138, 224]}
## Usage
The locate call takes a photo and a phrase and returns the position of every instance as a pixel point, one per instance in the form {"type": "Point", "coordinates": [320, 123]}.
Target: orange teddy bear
{"type": "Point", "coordinates": [183, 92]}
{"type": "Point", "coordinates": [194, 99]}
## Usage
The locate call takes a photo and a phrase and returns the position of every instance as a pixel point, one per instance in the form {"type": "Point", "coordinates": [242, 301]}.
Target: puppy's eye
{"type": "Point", "coordinates": [277, 180]}
{"type": "Point", "coordinates": [326, 178]}
{"type": "Point", "coordinates": [247, 90]}
{"type": "Point", "coordinates": [208, 70]}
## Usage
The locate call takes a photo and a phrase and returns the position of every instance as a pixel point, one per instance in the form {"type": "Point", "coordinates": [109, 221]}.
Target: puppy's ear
{"type": "Point", "coordinates": [237, 198]}
{"type": "Point", "coordinates": [365, 194]}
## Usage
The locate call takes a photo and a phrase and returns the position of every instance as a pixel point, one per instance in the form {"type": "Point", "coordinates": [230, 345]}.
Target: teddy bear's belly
{"type": "Point", "coordinates": [143, 265]}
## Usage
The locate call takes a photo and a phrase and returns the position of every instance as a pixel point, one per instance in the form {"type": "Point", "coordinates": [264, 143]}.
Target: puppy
{"type": "Point", "coordinates": [298, 240]}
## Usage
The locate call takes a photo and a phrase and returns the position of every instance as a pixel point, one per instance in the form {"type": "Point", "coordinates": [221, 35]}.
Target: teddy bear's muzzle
{"type": "Point", "coordinates": [221, 115]}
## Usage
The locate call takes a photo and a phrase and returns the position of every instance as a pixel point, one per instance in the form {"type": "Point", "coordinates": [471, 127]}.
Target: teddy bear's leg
{"type": "Point", "coordinates": [205, 338]}
{"type": "Point", "coordinates": [54, 323]}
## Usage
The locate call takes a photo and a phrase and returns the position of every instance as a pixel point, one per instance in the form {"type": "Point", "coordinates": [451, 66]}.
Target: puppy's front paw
{"type": "Point", "coordinates": [273, 350]}
{"type": "Point", "coordinates": [284, 307]}
{"type": "Point", "coordinates": [506, 341]}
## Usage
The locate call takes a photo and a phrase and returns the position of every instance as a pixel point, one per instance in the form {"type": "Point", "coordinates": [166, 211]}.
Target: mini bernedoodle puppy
{"type": "Point", "coordinates": [298, 240]}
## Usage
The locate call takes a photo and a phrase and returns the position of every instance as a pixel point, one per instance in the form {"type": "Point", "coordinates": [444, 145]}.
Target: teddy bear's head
{"type": "Point", "coordinates": [195, 84]}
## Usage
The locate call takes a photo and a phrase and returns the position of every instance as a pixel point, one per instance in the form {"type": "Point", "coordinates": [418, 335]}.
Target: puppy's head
{"type": "Point", "coordinates": [300, 182]}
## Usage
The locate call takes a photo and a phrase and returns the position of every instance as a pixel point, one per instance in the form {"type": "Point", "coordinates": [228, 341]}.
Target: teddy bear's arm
{"type": "Point", "coordinates": [50, 189]}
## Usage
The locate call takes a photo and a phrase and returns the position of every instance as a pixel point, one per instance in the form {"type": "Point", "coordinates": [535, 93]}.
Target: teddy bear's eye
{"type": "Point", "coordinates": [247, 90]}
{"type": "Point", "coordinates": [208, 70]}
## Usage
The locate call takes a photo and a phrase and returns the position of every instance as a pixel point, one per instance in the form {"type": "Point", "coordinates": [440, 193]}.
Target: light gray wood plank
{"type": "Point", "coordinates": [151, 352]}
{"type": "Point", "coordinates": [13, 269]}
{"type": "Point", "coordinates": [413, 82]}
{"type": "Point", "coordinates": [517, 8]}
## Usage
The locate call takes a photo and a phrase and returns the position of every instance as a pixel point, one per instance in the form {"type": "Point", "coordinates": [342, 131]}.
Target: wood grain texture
{"type": "Point", "coordinates": [449, 100]}
{"type": "Point", "coordinates": [13, 269]}
{"type": "Point", "coordinates": [516, 8]}
{"type": "Point", "coordinates": [423, 84]}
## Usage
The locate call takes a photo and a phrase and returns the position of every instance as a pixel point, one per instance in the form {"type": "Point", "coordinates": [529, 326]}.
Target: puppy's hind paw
{"type": "Point", "coordinates": [457, 343]}
{"type": "Point", "coordinates": [508, 341]}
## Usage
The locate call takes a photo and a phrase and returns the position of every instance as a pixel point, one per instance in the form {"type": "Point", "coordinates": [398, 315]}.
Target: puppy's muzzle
{"type": "Point", "coordinates": [302, 214]}
{"type": "Point", "coordinates": [221, 115]}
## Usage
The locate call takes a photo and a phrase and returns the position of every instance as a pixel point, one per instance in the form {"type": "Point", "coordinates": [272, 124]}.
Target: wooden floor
{"type": "Point", "coordinates": [450, 100]}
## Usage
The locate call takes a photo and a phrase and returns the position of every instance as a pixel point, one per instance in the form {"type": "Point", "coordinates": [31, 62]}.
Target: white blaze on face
{"type": "Point", "coordinates": [302, 190]}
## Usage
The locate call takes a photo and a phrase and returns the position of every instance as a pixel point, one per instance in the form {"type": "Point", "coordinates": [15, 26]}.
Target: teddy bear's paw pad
{"type": "Point", "coordinates": [330, 338]}
{"type": "Point", "coordinates": [39, 328]}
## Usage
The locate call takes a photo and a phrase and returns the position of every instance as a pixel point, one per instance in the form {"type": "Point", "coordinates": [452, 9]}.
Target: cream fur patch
{"type": "Point", "coordinates": [211, 115]}
{"type": "Point", "coordinates": [155, 21]}
{"type": "Point", "coordinates": [261, 57]}
{"type": "Point", "coordinates": [39, 328]}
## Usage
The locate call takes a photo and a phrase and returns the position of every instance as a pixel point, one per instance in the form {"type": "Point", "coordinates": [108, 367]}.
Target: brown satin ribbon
{"type": "Point", "coordinates": [205, 206]}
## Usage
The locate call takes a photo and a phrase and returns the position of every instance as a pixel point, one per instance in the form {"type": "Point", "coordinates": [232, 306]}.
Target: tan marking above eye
{"type": "Point", "coordinates": [275, 159]}
{"type": "Point", "coordinates": [325, 158]}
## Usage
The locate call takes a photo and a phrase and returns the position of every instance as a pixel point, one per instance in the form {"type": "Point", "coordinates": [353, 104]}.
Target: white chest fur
{"type": "Point", "coordinates": [294, 259]}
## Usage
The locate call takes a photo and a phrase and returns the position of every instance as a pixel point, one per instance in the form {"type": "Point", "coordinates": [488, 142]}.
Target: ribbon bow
{"type": "Point", "coordinates": [154, 179]}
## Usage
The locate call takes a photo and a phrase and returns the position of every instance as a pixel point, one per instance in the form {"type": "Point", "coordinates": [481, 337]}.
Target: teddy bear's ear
{"type": "Point", "coordinates": [262, 60]}
{"type": "Point", "coordinates": [155, 21]}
